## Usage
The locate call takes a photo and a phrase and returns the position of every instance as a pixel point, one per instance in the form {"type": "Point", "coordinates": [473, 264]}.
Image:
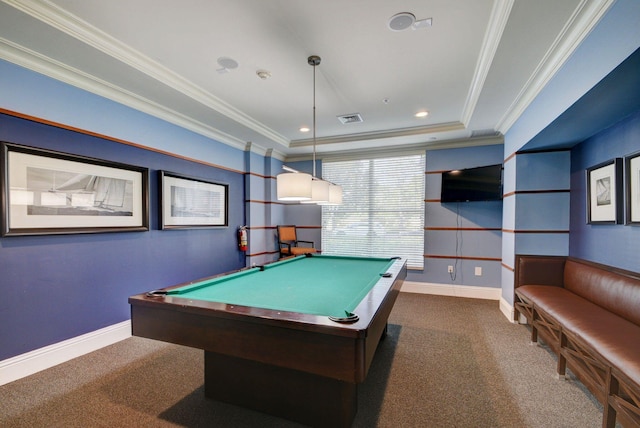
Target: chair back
{"type": "Point", "coordinates": [287, 233]}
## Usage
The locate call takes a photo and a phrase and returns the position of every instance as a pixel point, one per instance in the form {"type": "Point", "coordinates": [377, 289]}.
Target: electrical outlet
{"type": "Point", "coordinates": [450, 269]}
{"type": "Point", "coordinates": [478, 271]}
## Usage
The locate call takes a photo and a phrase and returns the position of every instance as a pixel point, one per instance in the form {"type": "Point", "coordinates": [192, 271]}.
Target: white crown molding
{"type": "Point", "coordinates": [275, 154]}
{"type": "Point", "coordinates": [466, 142]}
{"type": "Point", "coordinates": [264, 152]}
{"type": "Point", "coordinates": [70, 24]}
{"type": "Point", "coordinates": [497, 23]}
{"type": "Point", "coordinates": [584, 18]}
{"type": "Point", "coordinates": [257, 149]}
{"type": "Point", "coordinates": [407, 149]}
{"type": "Point", "coordinates": [350, 155]}
{"type": "Point", "coordinates": [41, 64]}
{"type": "Point", "coordinates": [376, 135]}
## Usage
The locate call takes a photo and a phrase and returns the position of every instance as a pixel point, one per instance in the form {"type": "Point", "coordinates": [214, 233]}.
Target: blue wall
{"type": "Point", "coordinates": [616, 245]}
{"type": "Point", "coordinates": [57, 287]}
{"type": "Point", "coordinates": [466, 234]}
{"type": "Point", "coordinates": [30, 93]}
{"type": "Point", "coordinates": [610, 42]}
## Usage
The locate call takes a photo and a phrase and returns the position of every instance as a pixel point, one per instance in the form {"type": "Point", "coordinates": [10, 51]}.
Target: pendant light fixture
{"type": "Point", "coordinates": [305, 188]}
{"type": "Point", "coordinates": [319, 187]}
{"type": "Point", "coordinates": [293, 186]}
{"type": "Point", "coordinates": [335, 195]}
{"type": "Point", "coordinates": [324, 192]}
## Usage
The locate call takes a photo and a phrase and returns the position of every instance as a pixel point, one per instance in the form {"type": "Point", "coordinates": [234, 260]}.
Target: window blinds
{"type": "Point", "coordinates": [382, 214]}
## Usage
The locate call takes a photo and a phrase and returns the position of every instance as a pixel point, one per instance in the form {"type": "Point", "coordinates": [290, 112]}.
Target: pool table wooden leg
{"type": "Point", "coordinates": [384, 332]}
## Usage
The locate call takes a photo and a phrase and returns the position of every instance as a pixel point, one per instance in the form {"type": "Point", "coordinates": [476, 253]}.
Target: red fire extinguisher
{"type": "Point", "coordinates": [243, 241]}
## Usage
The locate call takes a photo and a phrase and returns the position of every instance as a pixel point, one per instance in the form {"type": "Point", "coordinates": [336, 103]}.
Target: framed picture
{"type": "Point", "coordinates": [46, 192]}
{"type": "Point", "coordinates": [604, 193]}
{"type": "Point", "coordinates": [632, 168]}
{"type": "Point", "coordinates": [188, 202]}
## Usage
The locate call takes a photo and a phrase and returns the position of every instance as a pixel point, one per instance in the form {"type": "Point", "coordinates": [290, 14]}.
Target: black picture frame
{"type": "Point", "coordinates": [605, 192]}
{"type": "Point", "coordinates": [632, 185]}
{"type": "Point", "coordinates": [188, 202]}
{"type": "Point", "coordinates": [45, 192]}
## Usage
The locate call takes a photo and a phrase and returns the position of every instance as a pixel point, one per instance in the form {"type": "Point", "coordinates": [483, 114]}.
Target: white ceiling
{"type": "Point", "coordinates": [474, 70]}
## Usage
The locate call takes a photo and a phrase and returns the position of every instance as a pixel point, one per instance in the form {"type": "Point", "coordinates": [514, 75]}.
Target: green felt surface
{"type": "Point", "coordinates": [318, 285]}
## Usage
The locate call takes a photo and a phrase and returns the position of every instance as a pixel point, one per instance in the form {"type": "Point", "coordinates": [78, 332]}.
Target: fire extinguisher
{"type": "Point", "coordinates": [243, 241]}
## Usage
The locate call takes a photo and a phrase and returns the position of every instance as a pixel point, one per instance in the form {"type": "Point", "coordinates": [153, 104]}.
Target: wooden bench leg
{"type": "Point", "coordinates": [522, 311]}
{"type": "Point", "coordinates": [534, 335]}
{"type": "Point", "coordinates": [562, 361]}
{"type": "Point", "coordinates": [609, 414]}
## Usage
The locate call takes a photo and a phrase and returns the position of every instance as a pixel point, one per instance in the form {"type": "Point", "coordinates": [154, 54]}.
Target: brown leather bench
{"type": "Point", "coordinates": [589, 315]}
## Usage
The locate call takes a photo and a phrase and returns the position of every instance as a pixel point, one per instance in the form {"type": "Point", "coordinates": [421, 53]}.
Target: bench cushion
{"type": "Point", "coordinates": [615, 338]}
{"type": "Point", "coordinates": [618, 292]}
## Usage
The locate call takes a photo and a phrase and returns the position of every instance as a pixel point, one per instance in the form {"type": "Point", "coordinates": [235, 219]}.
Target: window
{"type": "Point", "coordinates": [382, 214]}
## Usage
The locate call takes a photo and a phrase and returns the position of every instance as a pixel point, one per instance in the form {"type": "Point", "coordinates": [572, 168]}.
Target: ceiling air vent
{"type": "Point", "coordinates": [350, 118]}
{"type": "Point", "coordinates": [483, 133]}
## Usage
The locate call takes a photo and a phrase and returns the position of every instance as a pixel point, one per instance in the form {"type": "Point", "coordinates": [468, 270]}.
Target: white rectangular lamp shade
{"type": "Point", "coordinates": [335, 195]}
{"type": "Point", "coordinates": [319, 192]}
{"type": "Point", "coordinates": [293, 186]}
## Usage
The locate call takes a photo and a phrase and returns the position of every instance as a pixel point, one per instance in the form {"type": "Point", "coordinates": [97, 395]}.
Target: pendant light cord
{"type": "Point", "coordinates": [314, 120]}
{"type": "Point", "coordinates": [314, 60]}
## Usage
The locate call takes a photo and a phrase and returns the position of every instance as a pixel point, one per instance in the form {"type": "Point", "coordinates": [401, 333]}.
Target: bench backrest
{"type": "Point", "coordinates": [539, 270]}
{"type": "Point", "coordinates": [614, 289]}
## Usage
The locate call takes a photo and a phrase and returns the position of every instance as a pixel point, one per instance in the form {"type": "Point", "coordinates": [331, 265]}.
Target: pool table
{"type": "Point", "coordinates": [291, 338]}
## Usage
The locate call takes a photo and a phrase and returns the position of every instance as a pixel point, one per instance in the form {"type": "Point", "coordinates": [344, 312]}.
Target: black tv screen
{"type": "Point", "coordinates": [473, 184]}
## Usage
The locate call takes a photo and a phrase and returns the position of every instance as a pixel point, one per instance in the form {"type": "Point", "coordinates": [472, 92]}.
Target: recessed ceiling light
{"type": "Point", "coordinates": [304, 129]}
{"type": "Point", "coordinates": [263, 74]}
{"type": "Point", "coordinates": [422, 113]}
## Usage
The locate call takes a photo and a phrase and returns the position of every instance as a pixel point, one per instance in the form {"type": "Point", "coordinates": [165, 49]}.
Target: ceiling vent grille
{"type": "Point", "coordinates": [483, 133]}
{"type": "Point", "coordinates": [350, 118]}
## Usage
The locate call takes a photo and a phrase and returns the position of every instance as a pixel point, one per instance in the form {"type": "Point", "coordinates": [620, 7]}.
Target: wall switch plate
{"type": "Point", "coordinates": [478, 271]}
{"type": "Point", "coordinates": [450, 269]}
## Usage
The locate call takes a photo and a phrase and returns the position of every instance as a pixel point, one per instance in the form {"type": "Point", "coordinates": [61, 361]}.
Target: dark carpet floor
{"type": "Point", "coordinates": [446, 362]}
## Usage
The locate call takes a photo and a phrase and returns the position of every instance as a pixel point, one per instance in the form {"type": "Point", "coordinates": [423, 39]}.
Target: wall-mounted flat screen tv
{"type": "Point", "coordinates": [473, 184]}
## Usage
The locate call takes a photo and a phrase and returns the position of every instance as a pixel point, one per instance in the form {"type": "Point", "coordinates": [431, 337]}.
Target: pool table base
{"type": "Point", "coordinates": [291, 394]}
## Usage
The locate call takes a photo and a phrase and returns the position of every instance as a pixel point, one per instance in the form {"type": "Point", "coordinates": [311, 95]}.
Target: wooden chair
{"type": "Point", "coordinates": [288, 242]}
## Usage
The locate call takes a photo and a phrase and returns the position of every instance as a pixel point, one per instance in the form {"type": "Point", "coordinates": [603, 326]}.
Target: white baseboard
{"type": "Point", "coordinates": [40, 359]}
{"type": "Point", "coordinates": [470, 291]}
{"type": "Point", "coordinates": [507, 309]}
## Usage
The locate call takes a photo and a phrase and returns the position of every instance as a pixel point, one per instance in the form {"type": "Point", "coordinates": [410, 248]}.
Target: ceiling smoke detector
{"type": "Point", "coordinates": [401, 21]}
{"type": "Point", "coordinates": [350, 118]}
